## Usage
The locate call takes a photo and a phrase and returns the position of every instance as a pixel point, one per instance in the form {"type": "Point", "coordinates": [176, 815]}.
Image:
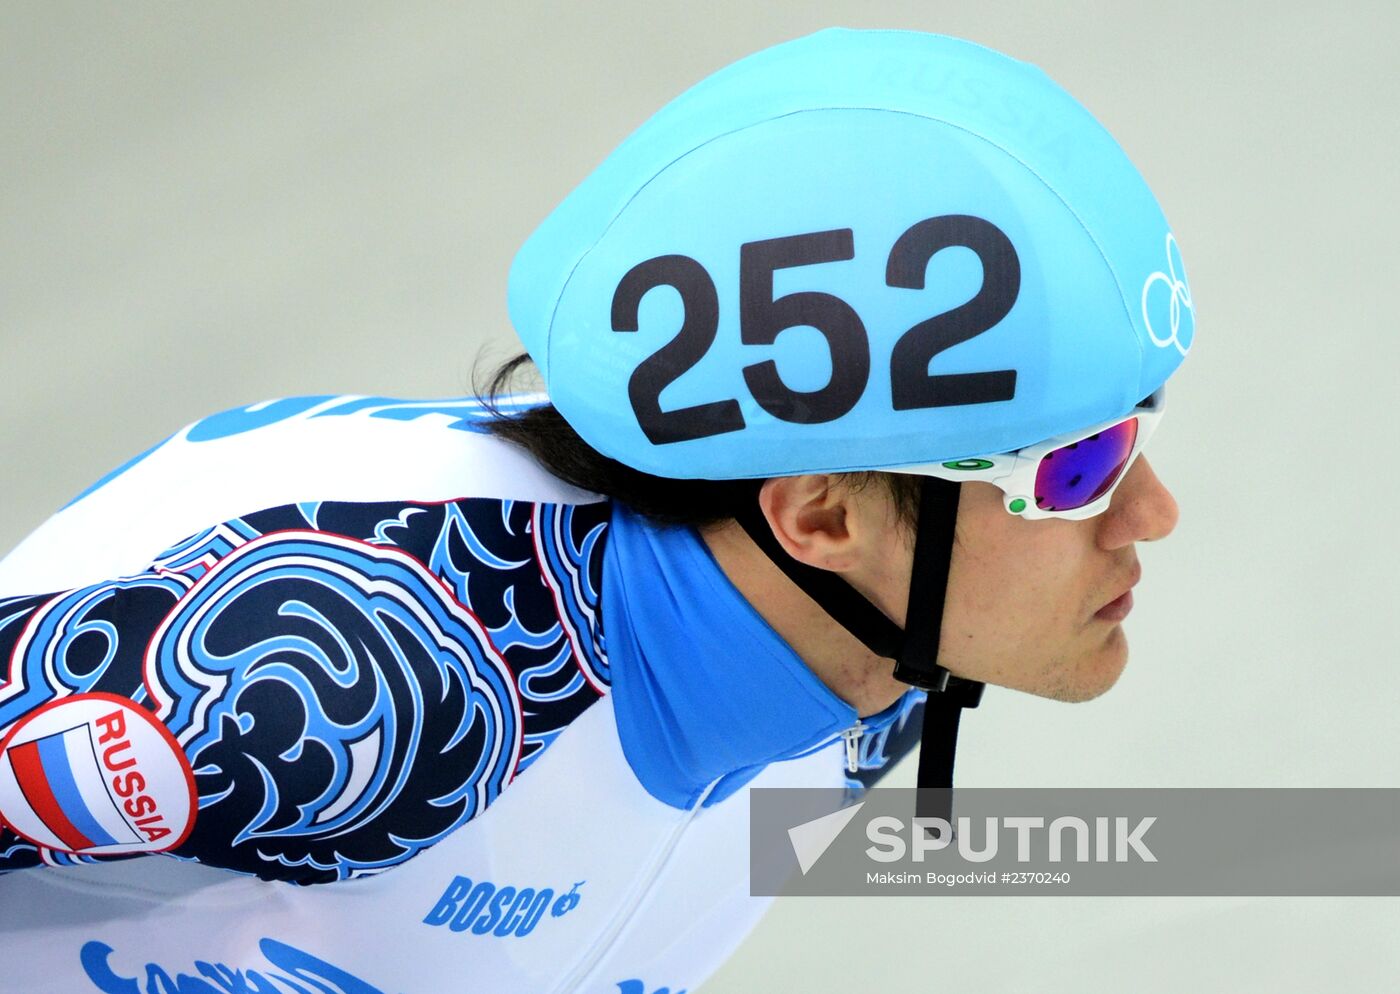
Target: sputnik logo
{"type": "Point", "coordinates": [813, 838]}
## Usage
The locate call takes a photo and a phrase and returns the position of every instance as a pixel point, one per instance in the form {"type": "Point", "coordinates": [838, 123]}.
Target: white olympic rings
{"type": "Point", "coordinates": [1180, 297]}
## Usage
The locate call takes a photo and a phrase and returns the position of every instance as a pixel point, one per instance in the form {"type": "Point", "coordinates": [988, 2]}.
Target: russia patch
{"type": "Point", "coordinates": [95, 773]}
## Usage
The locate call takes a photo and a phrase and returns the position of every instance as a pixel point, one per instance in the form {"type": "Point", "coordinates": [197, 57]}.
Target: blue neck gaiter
{"type": "Point", "coordinates": [704, 688]}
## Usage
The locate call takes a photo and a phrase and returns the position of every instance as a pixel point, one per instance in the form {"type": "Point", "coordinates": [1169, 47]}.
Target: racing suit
{"type": "Point", "coordinates": [384, 707]}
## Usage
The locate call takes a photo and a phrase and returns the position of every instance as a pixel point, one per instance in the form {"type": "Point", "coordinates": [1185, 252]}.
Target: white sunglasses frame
{"type": "Point", "coordinates": [1014, 472]}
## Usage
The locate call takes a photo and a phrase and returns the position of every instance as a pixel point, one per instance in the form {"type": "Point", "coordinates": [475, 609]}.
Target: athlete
{"type": "Point", "coordinates": [851, 353]}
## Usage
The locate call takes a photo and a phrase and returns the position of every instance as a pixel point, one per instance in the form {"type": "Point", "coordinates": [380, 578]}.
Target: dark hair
{"type": "Point", "coordinates": [543, 432]}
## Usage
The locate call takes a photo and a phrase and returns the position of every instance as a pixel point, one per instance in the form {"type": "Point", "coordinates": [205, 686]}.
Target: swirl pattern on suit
{"type": "Point", "coordinates": [350, 682]}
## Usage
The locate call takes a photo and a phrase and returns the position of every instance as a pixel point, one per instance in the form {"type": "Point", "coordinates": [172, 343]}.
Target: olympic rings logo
{"type": "Point", "coordinates": [1180, 298]}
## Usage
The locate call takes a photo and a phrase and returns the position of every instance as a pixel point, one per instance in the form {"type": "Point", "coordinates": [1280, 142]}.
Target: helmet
{"type": "Point", "coordinates": [857, 250]}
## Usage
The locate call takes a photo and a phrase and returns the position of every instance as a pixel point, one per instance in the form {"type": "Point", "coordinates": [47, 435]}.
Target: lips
{"type": "Point", "coordinates": [1118, 608]}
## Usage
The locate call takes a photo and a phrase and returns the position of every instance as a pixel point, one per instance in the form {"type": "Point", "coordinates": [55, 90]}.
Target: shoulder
{"type": "Point", "coordinates": [279, 452]}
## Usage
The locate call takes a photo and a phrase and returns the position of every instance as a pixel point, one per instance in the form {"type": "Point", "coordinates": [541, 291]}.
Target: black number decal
{"type": "Point", "coordinates": [911, 383]}
{"type": "Point", "coordinates": [668, 363]}
{"type": "Point", "coordinates": [762, 319]}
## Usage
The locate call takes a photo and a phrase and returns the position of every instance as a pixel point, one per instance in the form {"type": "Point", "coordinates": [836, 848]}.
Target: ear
{"type": "Point", "coordinates": [813, 519]}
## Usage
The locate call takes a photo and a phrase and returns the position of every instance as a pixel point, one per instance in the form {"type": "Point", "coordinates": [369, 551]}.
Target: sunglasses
{"type": "Point", "coordinates": [1069, 476]}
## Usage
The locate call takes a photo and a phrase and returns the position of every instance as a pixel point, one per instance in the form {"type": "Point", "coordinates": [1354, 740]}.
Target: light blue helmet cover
{"type": "Point", "coordinates": [857, 250]}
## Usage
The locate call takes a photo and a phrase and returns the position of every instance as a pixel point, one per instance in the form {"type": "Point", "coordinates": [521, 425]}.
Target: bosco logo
{"type": "Point", "coordinates": [480, 907]}
{"type": "Point", "coordinates": [95, 773]}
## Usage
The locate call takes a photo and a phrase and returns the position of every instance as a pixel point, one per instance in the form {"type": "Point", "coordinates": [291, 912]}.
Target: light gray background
{"type": "Point", "coordinates": [203, 206]}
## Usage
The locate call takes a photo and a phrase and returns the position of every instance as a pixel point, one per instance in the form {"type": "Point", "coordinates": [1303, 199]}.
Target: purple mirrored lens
{"type": "Point", "coordinates": [1083, 471]}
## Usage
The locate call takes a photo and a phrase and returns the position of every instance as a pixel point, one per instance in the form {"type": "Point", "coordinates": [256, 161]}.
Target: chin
{"type": "Point", "coordinates": [1090, 676]}
{"type": "Point", "coordinates": [1097, 674]}
{"type": "Point", "coordinates": [1091, 691]}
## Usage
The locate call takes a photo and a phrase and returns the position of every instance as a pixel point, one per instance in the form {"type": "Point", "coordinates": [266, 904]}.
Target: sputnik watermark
{"type": "Point", "coordinates": [1067, 837]}
{"type": "Point", "coordinates": [1116, 842]}
{"type": "Point", "coordinates": [1207, 842]}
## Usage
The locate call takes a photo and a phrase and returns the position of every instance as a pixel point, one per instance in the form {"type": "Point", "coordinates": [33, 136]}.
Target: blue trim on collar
{"type": "Point", "coordinates": [704, 689]}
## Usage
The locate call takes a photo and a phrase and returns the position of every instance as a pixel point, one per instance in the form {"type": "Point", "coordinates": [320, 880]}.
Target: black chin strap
{"type": "Point", "coordinates": [914, 648]}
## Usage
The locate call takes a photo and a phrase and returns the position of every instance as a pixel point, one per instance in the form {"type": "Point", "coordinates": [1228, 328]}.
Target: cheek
{"type": "Point", "coordinates": [1014, 592]}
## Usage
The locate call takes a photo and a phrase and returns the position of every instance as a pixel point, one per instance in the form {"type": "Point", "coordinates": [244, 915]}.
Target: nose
{"type": "Point", "coordinates": [1142, 509]}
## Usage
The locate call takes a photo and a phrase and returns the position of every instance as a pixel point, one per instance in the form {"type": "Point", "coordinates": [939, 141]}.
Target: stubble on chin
{"type": "Point", "coordinates": [1087, 675]}
{"type": "Point", "coordinates": [1099, 672]}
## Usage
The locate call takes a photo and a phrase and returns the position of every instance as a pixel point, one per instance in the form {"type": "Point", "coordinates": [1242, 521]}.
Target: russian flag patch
{"type": "Point", "coordinates": [97, 774]}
